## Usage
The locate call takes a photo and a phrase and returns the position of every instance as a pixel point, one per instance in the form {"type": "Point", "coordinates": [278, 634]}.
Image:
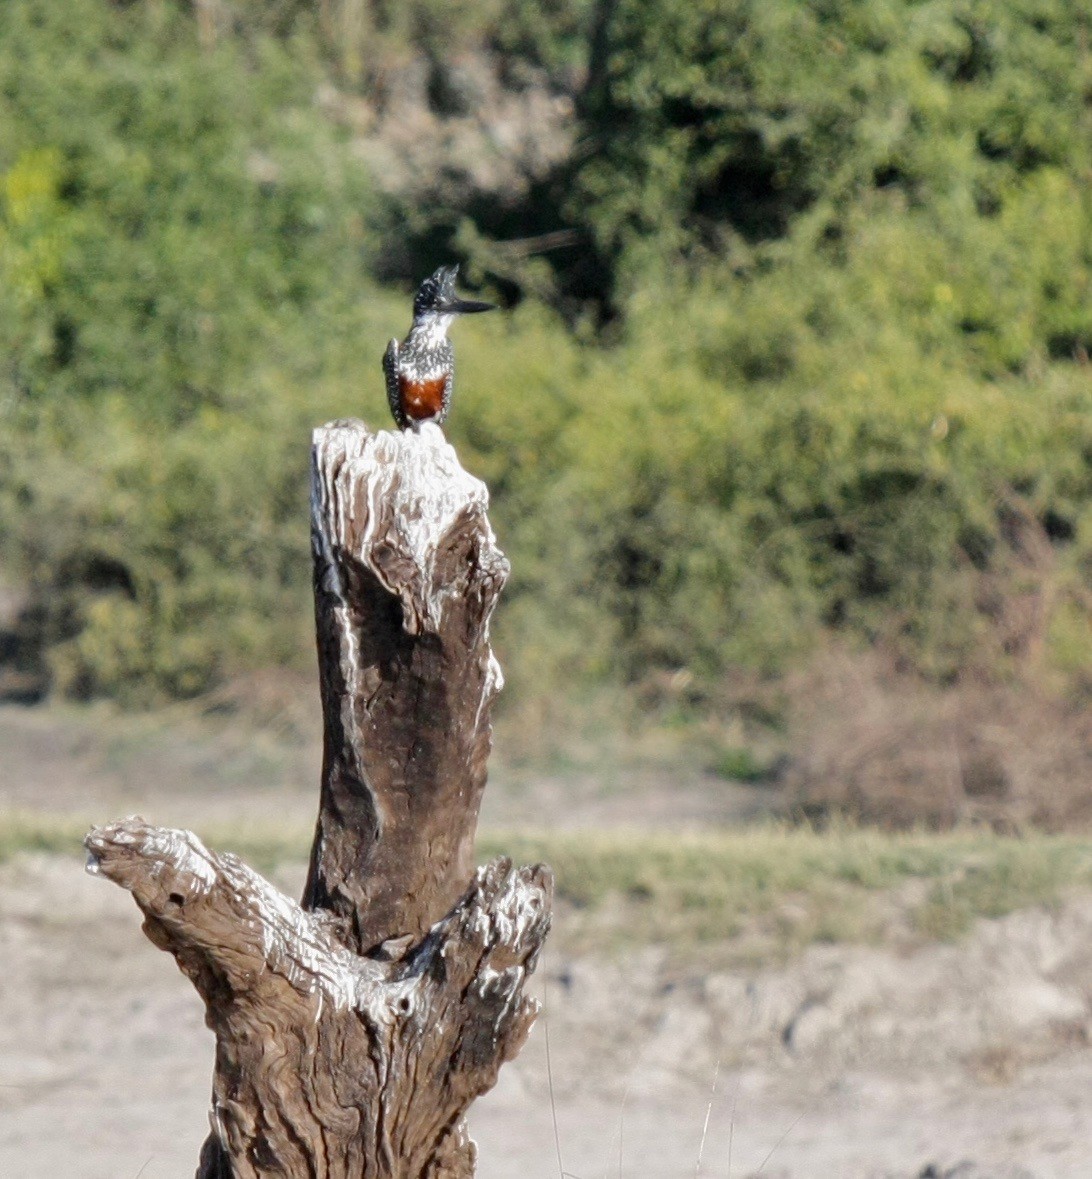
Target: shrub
{"type": "Point", "coordinates": [847, 389]}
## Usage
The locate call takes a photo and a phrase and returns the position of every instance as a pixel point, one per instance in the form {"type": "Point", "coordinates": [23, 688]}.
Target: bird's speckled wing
{"type": "Point", "coordinates": [449, 389]}
{"type": "Point", "coordinates": [390, 370]}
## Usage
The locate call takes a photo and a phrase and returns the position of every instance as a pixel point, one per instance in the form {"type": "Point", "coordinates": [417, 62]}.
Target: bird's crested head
{"type": "Point", "coordinates": [436, 296]}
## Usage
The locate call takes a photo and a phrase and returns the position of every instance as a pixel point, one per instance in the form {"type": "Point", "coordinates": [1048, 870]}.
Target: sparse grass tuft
{"type": "Point", "coordinates": [1017, 874]}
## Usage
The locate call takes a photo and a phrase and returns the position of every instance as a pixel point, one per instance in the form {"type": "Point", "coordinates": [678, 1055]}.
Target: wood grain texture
{"type": "Point", "coordinates": [329, 1063]}
{"type": "Point", "coordinates": [354, 1030]}
{"type": "Point", "coordinates": [407, 573]}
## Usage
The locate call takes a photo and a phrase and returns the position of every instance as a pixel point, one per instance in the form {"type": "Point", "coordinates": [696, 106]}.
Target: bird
{"type": "Point", "coordinates": [420, 371]}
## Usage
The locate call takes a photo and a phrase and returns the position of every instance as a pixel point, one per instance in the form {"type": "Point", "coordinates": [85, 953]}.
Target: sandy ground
{"type": "Point", "coordinates": [850, 1062]}
{"type": "Point", "coordinates": [180, 771]}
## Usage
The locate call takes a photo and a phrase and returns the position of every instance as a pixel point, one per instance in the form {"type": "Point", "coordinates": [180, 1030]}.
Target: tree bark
{"type": "Point", "coordinates": [407, 573]}
{"type": "Point", "coordinates": [353, 1031]}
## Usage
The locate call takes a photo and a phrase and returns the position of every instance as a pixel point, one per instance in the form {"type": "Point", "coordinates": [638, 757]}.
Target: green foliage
{"type": "Point", "coordinates": [675, 519]}
{"type": "Point", "coordinates": [723, 122]}
{"type": "Point", "coordinates": [739, 764]}
{"type": "Point", "coordinates": [173, 224]}
{"type": "Point", "coordinates": [166, 211]}
{"type": "Point", "coordinates": [364, 39]}
{"type": "Point", "coordinates": [850, 249]}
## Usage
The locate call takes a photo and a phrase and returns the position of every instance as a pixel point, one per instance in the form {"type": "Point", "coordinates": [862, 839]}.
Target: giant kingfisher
{"type": "Point", "coordinates": [420, 371]}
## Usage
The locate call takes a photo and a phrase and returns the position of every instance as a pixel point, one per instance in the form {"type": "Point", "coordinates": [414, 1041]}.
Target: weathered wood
{"type": "Point", "coordinates": [407, 573]}
{"type": "Point", "coordinates": [354, 1030]}
{"type": "Point", "coordinates": [329, 1063]}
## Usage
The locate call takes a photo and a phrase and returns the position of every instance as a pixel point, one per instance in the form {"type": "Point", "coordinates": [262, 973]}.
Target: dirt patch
{"type": "Point", "coordinates": [854, 1062]}
{"type": "Point", "coordinates": [183, 768]}
{"type": "Point", "coordinates": [848, 1061]}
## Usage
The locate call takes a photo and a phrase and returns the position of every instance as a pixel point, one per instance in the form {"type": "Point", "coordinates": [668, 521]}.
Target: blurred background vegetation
{"type": "Point", "coordinates": [788, 429]}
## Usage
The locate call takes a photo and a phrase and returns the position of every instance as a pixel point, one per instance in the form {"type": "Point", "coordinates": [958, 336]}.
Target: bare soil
{"type": "Point", "coordinates": [855, 1062]}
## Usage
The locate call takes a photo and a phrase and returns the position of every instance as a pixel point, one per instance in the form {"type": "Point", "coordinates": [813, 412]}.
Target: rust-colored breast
{"type": "Point", "coordinates": [421, 399]}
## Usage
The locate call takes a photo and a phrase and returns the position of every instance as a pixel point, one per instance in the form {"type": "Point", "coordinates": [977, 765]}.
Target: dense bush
{"type": "Point", "coordinates": [669, 517]}
{"type": "Point", "coordinates": [173, 226]}
{"type": "Point", "coordinates": [716, 124]}
{"type": "Point", "coordinates": [847, 389]}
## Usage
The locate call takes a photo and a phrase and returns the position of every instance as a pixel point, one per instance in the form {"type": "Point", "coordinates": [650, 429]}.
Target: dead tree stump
{"type": "Point", "coordinates": [353, 1031]}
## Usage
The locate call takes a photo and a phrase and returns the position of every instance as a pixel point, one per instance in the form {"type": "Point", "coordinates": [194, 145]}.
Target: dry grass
{"type": "Point", "coordinates": [875, 745]}
{"type": "Point", "coordinates": [755, 893]}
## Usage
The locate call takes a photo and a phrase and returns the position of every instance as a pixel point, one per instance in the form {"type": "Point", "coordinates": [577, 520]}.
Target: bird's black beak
{"type": "Point", "coordinates": [467, 306]}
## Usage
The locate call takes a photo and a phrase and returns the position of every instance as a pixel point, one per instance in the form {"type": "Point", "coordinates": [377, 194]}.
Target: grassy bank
{"type": "Point", "coordinates": [754, 894]}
